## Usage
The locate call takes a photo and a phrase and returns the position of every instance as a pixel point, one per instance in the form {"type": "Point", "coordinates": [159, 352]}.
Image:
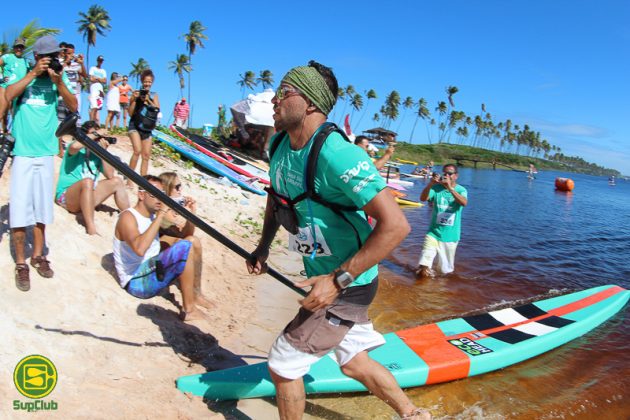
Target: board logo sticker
{"type": "Point", "coordinates": [469, 346]}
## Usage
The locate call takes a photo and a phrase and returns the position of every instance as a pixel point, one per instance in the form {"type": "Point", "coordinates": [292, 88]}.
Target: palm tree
{"type": "Point", "coordinates": [194, 38]}
{"type": "Point", "coordinates": [408, 103]}
{"type": "Point", "coordinates": [392, 102]}
{"type": "Point", "coordinates": [180, 66]}
{"type": "Point", "coordinates": [441, 109]}
{"type": "Point", "coordinates": [370, 94]}
{"type": "Point", "coordinates": [357, 103]}
{"type": "Point", "coordinates": [248, 81]}
{"type": "Point", "coordinates": [450, 91]}
{"type": "Point", "coordinates": [137, 69]}
{"type": "Point", "coordinates": [376, 117]}
{"type": "Point", "coordinates": [265, 78]}
{"type": "Point", "coordinates": [94, 22]}
{"type": "Point", "coordinates": [348, 95]}
{"type": "Point", "coordinates": [31, 32]}
{"type": "Point", "coordinates": [424, 113]}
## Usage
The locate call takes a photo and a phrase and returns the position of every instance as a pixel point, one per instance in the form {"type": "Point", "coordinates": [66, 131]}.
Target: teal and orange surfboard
{"type": "Point", "coordinates": [440, 352]}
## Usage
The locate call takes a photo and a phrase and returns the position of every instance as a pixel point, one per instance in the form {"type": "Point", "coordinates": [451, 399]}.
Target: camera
{"type": "Point", "coordinates": [6, 147]}
{"type": "Point", "coordinates": [143, 93]}
{"type": "Point", "coordinates": [55, 65]}
{"type": "Point", "coordinates": [110, 140]}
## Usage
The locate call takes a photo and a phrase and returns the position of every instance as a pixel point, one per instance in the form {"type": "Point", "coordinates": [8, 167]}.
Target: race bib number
{"type": "Point", "coordinates": [446, 218]}
{"type": "Point", "coordinates": [304, 244]}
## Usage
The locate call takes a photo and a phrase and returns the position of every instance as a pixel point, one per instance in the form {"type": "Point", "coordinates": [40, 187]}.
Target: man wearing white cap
{"type": "Point", "coordinates": [35, 99]}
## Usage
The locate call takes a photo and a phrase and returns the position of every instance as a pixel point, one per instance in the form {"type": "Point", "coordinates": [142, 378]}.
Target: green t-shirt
{"type": "Point", "coordinates": [14, 68]}
{"type": "Point", "coordinates": [446, 219]}
{"type": "Point", "coordinates": [74, 168]}
{"type": "Point", "coordinates": [35, 118]}
{"type": "Point", "coordinates": [346, 176]}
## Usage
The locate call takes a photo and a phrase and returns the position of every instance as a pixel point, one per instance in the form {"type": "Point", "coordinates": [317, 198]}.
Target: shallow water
{"type": "Point", "coordinates": [521, 241]}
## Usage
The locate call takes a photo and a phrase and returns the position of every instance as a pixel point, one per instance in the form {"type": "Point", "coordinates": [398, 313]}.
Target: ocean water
{"type": "Point", "coordinates": [521, 241]}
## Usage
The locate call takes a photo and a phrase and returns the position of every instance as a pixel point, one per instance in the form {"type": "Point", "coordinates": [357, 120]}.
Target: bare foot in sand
{"type": "Point", "coordinates": [194, 315]}
{"type": "Point", "coordinates": [206, 303]}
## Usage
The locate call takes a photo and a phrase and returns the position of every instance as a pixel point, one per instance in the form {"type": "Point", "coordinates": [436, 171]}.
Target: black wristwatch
{"type": "Point", "coordinates": [343, 279]}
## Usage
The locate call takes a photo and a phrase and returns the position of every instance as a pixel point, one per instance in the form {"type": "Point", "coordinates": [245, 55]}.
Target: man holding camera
{"type": "Point", "coordinates": [35, 99]}
{"type": "Point", "coordinates": [448, 199]}
{"type": "Point", "coordinates": [74, 68]}
{"type": "Point", "coordinates": [78, 187]}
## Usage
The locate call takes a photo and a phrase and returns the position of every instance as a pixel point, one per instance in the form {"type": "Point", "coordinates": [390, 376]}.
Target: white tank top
{"type": "Point", "coordinates": [125, 259]}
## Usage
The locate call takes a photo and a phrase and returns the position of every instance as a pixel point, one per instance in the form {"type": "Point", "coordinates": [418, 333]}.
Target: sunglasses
{"type": "Point", "coordinates": [178, 187]}
{"type": "Point", "coordinates": [147, 193]}
{"type": "Point", "coordinates": [449, 173]}
{"type": "Point", "coordinates": [286, 91]}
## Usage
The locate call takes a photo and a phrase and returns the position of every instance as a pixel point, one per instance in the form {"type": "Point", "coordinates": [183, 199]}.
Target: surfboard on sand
{"type": "Point", "coordinates": [208, 163]}
{"type": "Point", "coordinates": [440, 352]}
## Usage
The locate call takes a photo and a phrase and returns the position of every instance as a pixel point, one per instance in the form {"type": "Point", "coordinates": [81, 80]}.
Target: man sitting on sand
{"type": "Point", "coordinates": [143, 271]}
{"type": "Point", "coordinates": [78, 187]}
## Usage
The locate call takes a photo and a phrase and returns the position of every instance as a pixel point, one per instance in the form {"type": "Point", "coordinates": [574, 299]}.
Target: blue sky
{"type": "Point", "coordinates": [559, 66]}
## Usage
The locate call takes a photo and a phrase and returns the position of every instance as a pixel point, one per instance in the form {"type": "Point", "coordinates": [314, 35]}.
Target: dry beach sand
{"type": "Point", "coordinates": [118, 356]}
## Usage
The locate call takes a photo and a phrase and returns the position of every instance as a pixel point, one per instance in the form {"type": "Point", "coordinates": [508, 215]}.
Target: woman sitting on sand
{"type": "Point", "coordinates": [175, 227]}
{"type": "Point", "coordinates": [144, 107]}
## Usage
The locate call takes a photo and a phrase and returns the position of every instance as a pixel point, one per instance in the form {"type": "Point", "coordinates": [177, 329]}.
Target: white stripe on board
{"type": "Point", "coordinates": [508, 316]}
{"type": "Point", "coordinates": [534, 328]}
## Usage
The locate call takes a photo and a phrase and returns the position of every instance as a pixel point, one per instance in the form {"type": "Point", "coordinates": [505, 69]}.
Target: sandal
{"type": "Point", "coordinates": [43, 266]}
{"type": "Point", "coordinates": [22, 279]}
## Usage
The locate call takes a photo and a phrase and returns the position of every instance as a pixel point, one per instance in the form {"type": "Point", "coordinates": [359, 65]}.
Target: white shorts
{"type": "Point", "coordinates": [32, 191]}
{"type": "Point", "coordinates": [445, 252]}
{"type": "Point", "coordinates": [181, 122]}
{"type": "Point", "coordinates": [96, 102]}
{"type": "Point", "coordinates": [290, 363]}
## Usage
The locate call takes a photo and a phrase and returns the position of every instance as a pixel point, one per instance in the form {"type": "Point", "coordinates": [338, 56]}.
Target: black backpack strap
{"type": "Point", "coordinates": [311, 167]}
{"type": "Point", "coordinates": [274, 146]}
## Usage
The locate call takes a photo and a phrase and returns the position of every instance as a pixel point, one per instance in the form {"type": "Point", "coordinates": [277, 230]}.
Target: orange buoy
{"type": "Point", "coordinates": [564, 184]}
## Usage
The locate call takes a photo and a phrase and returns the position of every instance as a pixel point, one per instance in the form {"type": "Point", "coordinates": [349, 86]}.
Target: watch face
{"type": "Point", "coordinates": [343, 279]}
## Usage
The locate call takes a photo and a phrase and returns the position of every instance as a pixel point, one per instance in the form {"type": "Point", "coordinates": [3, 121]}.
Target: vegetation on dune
{"type": "Point", "coordinates": [449, 153]}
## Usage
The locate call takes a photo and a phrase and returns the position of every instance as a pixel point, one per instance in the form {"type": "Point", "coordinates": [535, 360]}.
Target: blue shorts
{"type": "Point", "coordinates": [158, 272]}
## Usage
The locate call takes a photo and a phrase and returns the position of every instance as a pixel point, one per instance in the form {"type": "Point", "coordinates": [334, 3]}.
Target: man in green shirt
{"type": "Point", "coordinates": [78, 187]}
{"type": "Point", "coordinates": [32, 172]}
{"type": "Point", "coordinates": [448, 200]}
{"type": "Point", "coordinates": [340, 250]}
{"type": "Point", "coordinates": [14, 67]}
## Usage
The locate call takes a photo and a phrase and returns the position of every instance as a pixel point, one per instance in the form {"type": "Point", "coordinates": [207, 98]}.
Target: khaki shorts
{"type": "Point", "coordinates": [445, 252]}
{"type": "Point", "coordinates": [342, 328]}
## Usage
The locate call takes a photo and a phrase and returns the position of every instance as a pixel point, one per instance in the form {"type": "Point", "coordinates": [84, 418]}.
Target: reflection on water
{"type": "Point", "coordinates": [521, 241]}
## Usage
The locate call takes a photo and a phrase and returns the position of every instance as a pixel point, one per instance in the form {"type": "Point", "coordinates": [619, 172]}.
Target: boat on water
{"type": "Point", "coordinates": [612, 181]}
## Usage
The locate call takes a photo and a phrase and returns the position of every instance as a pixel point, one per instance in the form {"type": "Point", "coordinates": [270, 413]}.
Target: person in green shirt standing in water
{"type": "Point", "coordinates": [340, 249]}
{"type": "Point", "coordinates": [448, 199]}
{"type": "Point", "coordinates": [35, 99]}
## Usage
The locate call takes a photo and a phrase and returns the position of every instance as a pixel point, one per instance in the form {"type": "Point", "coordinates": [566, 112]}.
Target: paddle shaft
{"type": "Point", "coordinates": [98, 150]}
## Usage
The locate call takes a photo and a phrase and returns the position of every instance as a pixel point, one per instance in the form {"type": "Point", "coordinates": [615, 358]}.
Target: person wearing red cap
{"type": "Point", "coordinates": [181, 112]}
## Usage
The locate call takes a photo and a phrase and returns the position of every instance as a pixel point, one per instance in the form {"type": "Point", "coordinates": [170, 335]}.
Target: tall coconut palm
{"type": "Point", "coordinates": [248, 81]}
{"type": "Point", "coordinates": [194, 38]}
{"type": "Point", "coordinates": [408, 103]}
{"type": "Point", "coordinates": [348, 95]}
{"type": "Point", "coordinates": [94, 22]}
{"type": "Point", "coordinates": [180, 66]}
{"type": "Point", "coordinates": [370, 94]}
{"type": "Point", "coordinates": [357, 103]}
{"type": "Point", "coordinates": [137, 69]}
{"type": "Point", "coordinates": [450, 91]}
{"type": "Point", "coordinates": [424, 113]}
{"type": "Point", "coordinates": [392, 102]}
{"type": "Point", "coordinates": [265, 78]}
{"type": "Point", "coordinates": [441, 109]}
